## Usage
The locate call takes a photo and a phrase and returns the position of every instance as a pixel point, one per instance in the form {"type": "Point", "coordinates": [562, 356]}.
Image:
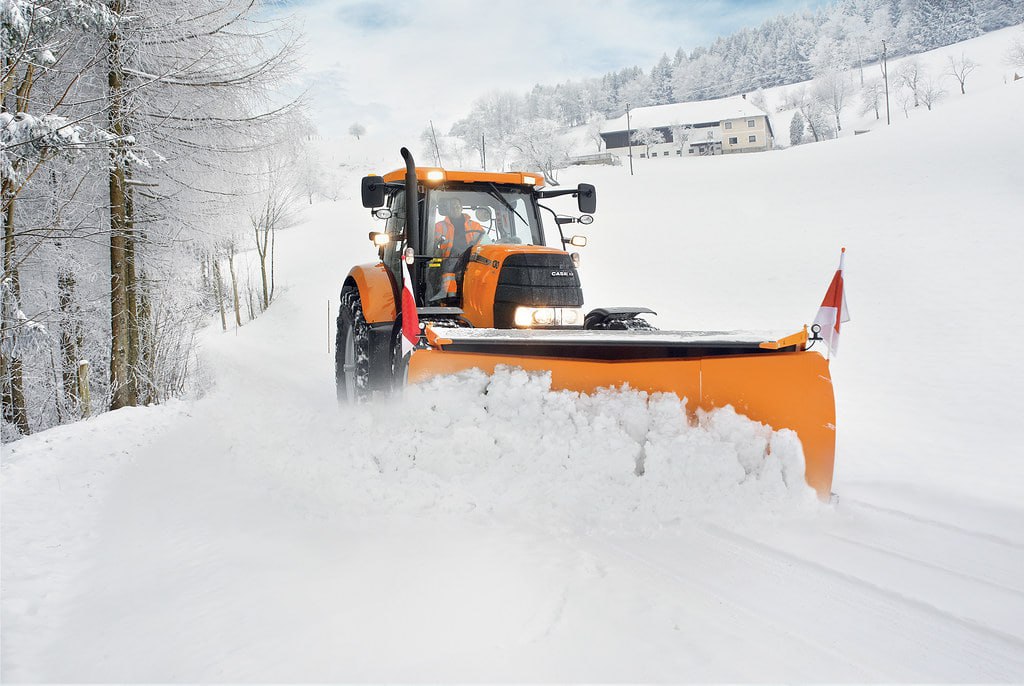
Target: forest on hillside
{"type": "Point", "coordinates": [819, 44]}
{"type": "Point", "coordinates": [142, 146]}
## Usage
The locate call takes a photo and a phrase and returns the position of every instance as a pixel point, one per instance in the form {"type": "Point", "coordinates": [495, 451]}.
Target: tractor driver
{"type": "Point", "coordinates": [453, 235]}
{"type": "Point", "coordinates": [456, 231]}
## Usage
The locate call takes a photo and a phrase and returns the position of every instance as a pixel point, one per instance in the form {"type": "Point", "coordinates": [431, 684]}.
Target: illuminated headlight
{"type": "Point", "coordinates": [548, 316]}
{"type": "Point", "coordinates": [435, 175]}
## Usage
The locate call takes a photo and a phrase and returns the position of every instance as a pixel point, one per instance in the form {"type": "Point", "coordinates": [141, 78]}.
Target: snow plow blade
{"type": "Point", "coordinates": [779, 383]}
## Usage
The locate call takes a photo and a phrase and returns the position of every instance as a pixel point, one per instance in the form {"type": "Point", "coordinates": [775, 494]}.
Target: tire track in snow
{"type": "Point", "coordinates": [883, 634]}
{"type": "Point", "coordinates": [703, 585]}
{"type": "Point", "coordinates": [974, 533]}
{"type": "Point", "coordinates": [1013, 646]}
{"type": "Point", "coordinates": [925, 563]}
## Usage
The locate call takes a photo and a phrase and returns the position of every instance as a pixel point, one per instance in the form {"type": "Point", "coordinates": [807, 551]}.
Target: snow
{"type": "Point", "coordinates": [580, 336]}
{"type": "Point", "coordinates": [490, 529]}
{"type": "Point", "coordinates": [699, 112]}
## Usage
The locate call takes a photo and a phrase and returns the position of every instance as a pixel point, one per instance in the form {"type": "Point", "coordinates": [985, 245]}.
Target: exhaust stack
{"type": "Point", "coordinates": [412, 218]}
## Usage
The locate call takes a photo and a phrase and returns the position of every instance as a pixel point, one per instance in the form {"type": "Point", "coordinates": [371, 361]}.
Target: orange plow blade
{"type": "Point", "coordinates": [785, 387]}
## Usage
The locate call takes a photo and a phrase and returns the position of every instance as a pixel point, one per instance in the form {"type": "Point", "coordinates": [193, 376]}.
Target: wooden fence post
{"type": "Point", "coordinates": [83, 387]}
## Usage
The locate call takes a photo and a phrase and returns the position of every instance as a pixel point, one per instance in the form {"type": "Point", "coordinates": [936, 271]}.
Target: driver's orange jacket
{"type": "Point", "coordinates": [444, 235]}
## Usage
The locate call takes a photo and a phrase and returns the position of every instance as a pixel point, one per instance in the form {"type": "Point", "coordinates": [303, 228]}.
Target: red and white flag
{"type": "Point", "coordinates": [410, 320]}
{"type": "Point", "coordinates": [833, 311]}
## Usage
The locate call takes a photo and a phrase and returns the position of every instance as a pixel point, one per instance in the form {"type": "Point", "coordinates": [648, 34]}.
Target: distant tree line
{"type": "Point", "coordinates": [787, 49]}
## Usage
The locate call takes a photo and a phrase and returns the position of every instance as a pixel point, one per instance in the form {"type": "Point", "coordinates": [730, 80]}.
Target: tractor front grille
{"type": "Point", "coordinates": [535, 280]}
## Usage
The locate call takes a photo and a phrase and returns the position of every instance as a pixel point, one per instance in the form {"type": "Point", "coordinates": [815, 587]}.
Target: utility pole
{"type": "Point", "coordinates": [885, 76]}
{"type": "Point", "coordinates": [629, 140]}
{"type": "Point", "coordinates": [483, 151]}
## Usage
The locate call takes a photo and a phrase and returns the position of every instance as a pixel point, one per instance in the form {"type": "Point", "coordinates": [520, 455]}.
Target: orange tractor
{"type": "Point", "coordinates": [489, 291]}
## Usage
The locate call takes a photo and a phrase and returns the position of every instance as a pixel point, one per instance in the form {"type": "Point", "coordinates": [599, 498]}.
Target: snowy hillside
{"type": "Point", "coordinates": [263, 534]}
{"type": "Point", "coordinates": [987, 53]}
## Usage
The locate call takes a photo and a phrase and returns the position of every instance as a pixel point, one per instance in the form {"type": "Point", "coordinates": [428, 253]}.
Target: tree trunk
{"type": "Point", "coordinates": [120, 383]}
{"type": "Point", "coordinates": [70, 338]}
{"type": "Point", "coordinates": [219, 290]}
{"type": "Point", "coordinates": [131, 289]}
{"type": "Point", "coordinates": [19, 412]}
{"type": "Point", "coordinates": [273, 235]}
{"type": "Point", "coordinates": [83, 388]}
{"type": "Point", "coordinates": [147, 345]}
{"type": "Point", "coordinates": [263, 275]}
{"type": "Point", "coordinates": [234, 285]}
{"type": "Point", "coordinates": [14, 409]}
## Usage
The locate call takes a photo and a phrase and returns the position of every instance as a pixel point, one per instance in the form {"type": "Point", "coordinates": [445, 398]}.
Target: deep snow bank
{"type": "Point", "coordinates": [620, 458]}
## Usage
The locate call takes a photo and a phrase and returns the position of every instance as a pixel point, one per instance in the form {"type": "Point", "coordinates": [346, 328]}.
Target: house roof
{"type": "Point", "coordinates": [701, 112]}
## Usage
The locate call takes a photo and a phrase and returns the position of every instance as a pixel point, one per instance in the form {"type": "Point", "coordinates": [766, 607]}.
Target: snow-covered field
{"type": "Point", "coordinates": [263, 534]}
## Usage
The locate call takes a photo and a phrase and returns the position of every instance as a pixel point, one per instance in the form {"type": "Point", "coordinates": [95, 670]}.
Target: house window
{"type": "Point", "coordinates": [679, 152]}
{"type": "Point", "coordinates": [750, 123]}
{"type": "Point", "coordinates": [751, 139]}
{"type": "Point", "coordinates": [733, 140]}
{"type": "Point", "coordinates": [642, 155]}
{"type": "Point", "coordinates": [728, 124]}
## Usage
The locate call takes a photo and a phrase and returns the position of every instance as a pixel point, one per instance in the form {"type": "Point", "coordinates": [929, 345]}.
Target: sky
{"type": "Point", "coordinates": [395, 66]}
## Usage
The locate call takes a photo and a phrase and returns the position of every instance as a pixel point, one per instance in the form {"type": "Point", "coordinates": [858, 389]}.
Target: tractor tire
{"type": "Point", "coordinates": [399, 363]}
{"type": "Point", "coordinates": [352, 351]}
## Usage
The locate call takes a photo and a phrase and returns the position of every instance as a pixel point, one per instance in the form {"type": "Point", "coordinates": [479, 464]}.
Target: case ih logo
{"type": "Point", "coordinates": [561, 273]}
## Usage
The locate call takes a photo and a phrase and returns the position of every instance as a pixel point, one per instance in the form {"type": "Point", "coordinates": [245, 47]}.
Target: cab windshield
{"type": "Point", "coordinates": [488, 213]}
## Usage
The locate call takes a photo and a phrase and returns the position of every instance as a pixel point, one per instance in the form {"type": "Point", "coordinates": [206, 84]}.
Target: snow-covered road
{"type": "Point", "coordinates": [234, 544]}
{"type": "Point", "coordinates": [262, 534]}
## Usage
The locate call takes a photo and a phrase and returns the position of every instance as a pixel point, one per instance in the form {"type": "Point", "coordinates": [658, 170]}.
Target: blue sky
{"type": "Point", "coordinates": [395, 64]}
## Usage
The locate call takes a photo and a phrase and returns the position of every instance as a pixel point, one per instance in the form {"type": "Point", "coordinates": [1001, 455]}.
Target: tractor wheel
{"type": "Point", "coordinates": [352, 350]}
{"type": "Point", "coordinates": [399, 364]}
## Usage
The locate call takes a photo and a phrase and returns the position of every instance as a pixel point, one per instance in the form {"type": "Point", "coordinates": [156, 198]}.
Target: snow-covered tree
{"type": "Point", "coordinates": [813, 111]}
{"type": "Point", "coordinates": [996, 14]}
{"type": "Point", "coordinates": [594, 125]}
{"type": "Point", "coordinates": [38, 60]}
{"type": "Point", "coordinates": [871, 96]}
{"type": "Point", "coordinates": [274, 204]}
{"type": "Point", "coordinates": [926, 24]}
{"type": "Point", "coordinates": [910, 76]}
{"type": "Point", "coordinates": [661, 81]}
{"type": "Point", "coordinates": [960, 68]}
{"type": "Point", "coordinates": [931, 91]}
{"type": "Point", "coordinates": [647, 137]}
{"type": "Point", "coordinates": [796, 129]}
{"type": "Point", "coordinates": [127, 141]}
{"type": "Point", "coordinates": [904, 97]}
{"type": "Point", "coordinates": [833, 90]}
{"type": "Point", "coordinates": [540, 145]}
{"type": "Point", "coordinates": [759, 100]}
{"type": "Point", "coordinates": [357, 130]}
{"type": "Point", "coordinates": [680, 135]}
{"type": "Point", "coordinates": [1015, 53]}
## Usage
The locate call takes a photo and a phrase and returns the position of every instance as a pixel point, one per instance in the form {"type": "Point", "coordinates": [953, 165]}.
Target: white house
{"type": "Point", "coordinates": [708, 127]}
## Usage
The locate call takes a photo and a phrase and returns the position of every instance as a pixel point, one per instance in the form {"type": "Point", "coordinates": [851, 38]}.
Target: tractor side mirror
{"type": "Point", "coordinates": [586, 194]}
{"type": "Point", "coordinates": [373, 191]}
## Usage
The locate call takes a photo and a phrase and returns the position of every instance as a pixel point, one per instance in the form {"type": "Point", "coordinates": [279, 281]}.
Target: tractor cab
{"type": "Point", "coordinates": [476, 243]}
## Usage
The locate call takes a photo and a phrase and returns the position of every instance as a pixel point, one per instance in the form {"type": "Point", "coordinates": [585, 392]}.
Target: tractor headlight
{"type": "Point", "coordinates": [526, 317]}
